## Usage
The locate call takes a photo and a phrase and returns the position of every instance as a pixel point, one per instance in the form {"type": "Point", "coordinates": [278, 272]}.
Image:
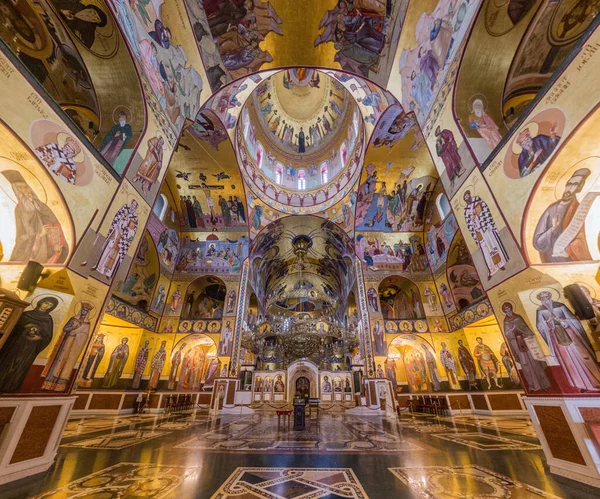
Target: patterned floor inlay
{"type": "Point", "coordinates": [483, 441]}
{"type": "Point", "coordinates": [76, 427]}
{"type": "Point", "coordinates": [288, 483]}
{"type": "Point", "coordinates": [125, 480]}
{"type": "Point", "coordinates": [431, 428]}
{"type": "Point", "coordinates": [452, 482]}
{"type": "Point", "coordinates": [519, 426]}
{"type": "Point", "coordinates": [261, 433]}
{"type": "Point", "coordinates": [118, 440]}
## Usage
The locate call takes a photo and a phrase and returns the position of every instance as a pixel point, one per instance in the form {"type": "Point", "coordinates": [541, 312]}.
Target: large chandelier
{"type": "Point", "coordinates": [300, 336]}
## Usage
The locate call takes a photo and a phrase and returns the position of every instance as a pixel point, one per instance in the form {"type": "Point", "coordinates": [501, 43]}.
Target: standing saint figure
{"type": "Point", "coordinates": [481, 122]}
{"type": "Point", "coordinates": [488, 362]}
{"type": "Point", "coordinates": [449, 363]}
{"type": "Point", "coordinates": [211, 373]}
{"type": "Point", "coordinates": [279, 386]}
{"type": "Point", "coordinates": [186, 371]}
{"type": "Point", "coordinates": [69, 346]}
{"type": "Point", "coordinates": [226, 339]}
{"type": "Point", "coordinates": [96, 353]}
{"type": "Point", "coordinates": [117, 363]}
{"type": "Point", "coordinates": [433, 371]}
{"type": "Point", "coordinates": [468, 364]}
{"type": "Point", "coordinates": [32, 334]}
{"type": "Point", "coordinates": [116, 139]}
{"type": "Point", "coordinates": [378, 339]}
{"type": "Point", "coordinates": [175, 299]}
{"type": "Point", "coordinates": [39, 235]}
{"type": "Point", "coordinates": [157, 364]}
{"type": "Point", "coordinates": [141, 360]}
{"type": "Point", "coordinates": [120, 236]}
{"type": "Point", "coordinates": [230, 308]}
{"type": "Point", "coordinates": [149, 170]}
{"type": "Point", "coordinates": [519, 336]}
{"type": "Point", "coordinates": [301, 141]}
{"type": "Point", "coordinates": [176, 359]}
{"type": "Point", "coordinates": [482, 227]}
{"type": "Point", "coordinates": [568, 343]}
{"type": "Point", "coordinates": [557, 218]}
{"type": "Point", "coordinates": [372, 296]}
{"type": "Point", "coordinates": [159, 299]}
{"type": "Point", "coordinates": [446, 148]}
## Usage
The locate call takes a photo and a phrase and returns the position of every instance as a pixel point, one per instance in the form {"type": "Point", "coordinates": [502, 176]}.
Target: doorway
{"type": "Point", "coordinates": [303, 387]}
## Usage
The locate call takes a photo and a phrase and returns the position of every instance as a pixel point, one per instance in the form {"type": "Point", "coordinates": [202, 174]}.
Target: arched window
{"type": "Point", "coordinates": [259, 156]}
{"type": "Point", "coordinates": [278, 174]}
{"type": "Point", "coordinates": [344, 153]}
{"type": "Point", "coordinates": [443, 205]}
{"type": "Point", "coordinates": [301, 180]}
{"type": "Point", "coordinates": [324, 173]}
{"type": "Point", "coordinates": [160, 207]}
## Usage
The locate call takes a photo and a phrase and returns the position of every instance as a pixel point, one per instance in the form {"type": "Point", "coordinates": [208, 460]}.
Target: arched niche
{"type": "Point", "coordinates": [29, 203]}
{"type": "Point", "coordinates": [520, 46]}
{"type": "Point", "coordinates": [400, 299]}
{"type": "Point", "coordinates": [204, 299]}
{"type": "Point", "coordinates": [562, 219]}
{"type": "Point", "coordinates": [443, 205]}
{"type": "Point", "coordinates": [138, 286]}
{"type": "Point", "coordinates": [464, 282]}
{"type": "Point", "coordinates": [194, 364]}
{"type": "Point", "coordinates": [76, 52]}
{"type": "Point", "coordinates": [412, 359]}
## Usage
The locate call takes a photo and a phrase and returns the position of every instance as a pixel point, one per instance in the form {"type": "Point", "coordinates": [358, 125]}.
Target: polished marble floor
{"type": "Point", "coordinates": [339, 456]}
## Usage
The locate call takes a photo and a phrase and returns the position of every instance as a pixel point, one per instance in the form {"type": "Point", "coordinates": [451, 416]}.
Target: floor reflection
{"type": "Point", "coordinates": [196, 454]}
{"type": "Point", "coordinates": [450, 482]}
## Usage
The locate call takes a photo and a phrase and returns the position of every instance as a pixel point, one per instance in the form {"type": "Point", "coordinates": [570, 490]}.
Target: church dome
{"type": "Point", "coordinates": [300, 140]}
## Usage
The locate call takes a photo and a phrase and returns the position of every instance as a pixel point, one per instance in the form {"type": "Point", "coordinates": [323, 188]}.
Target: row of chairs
{"type": "Point", "coordinates": [437, 406]}
{"type": "Point", "coordinates": [179, 403]}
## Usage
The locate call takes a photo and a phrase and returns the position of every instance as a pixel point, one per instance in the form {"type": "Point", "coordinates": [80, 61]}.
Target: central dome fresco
{"type": "Point", "coordinates": [300, 140]}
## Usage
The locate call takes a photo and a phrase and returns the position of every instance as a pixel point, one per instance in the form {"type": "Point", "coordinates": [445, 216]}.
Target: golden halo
{"type": "Point", "coordinates": [533, 131]}
{"type": "Point", "coordinates": [511, 302]}
{"type": "Point", "coordinates": [130, 198]}
{"type": "Point", "coordinates": [473, 98]}
{"type": "Point", "coordinates": [27, 175]}
{"type": "Point", "coordinates": [585, 285]}
{"type": "Point", "coordinates": [37, 299]}
{"type": "Point", "coordinates": [533, 295]}
{"type": "Point", "coordinates": [592, 163]}
{"type": "Point", "coordinates": [61, 139]}
{"type": "Point", "coordinates": [120, 108]}
{"type": "Point", "coordinates": [91, 314]}
{"type": "Point", "coordinates": [461, 201]}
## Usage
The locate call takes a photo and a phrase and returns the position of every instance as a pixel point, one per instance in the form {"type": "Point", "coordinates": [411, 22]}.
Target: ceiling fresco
{"type": "Point", "coordinates": [301, 258]}
{"type": "Point", "coordinates": [301, 110]}
{"type": "Point", "coordinates": [205, 180]}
